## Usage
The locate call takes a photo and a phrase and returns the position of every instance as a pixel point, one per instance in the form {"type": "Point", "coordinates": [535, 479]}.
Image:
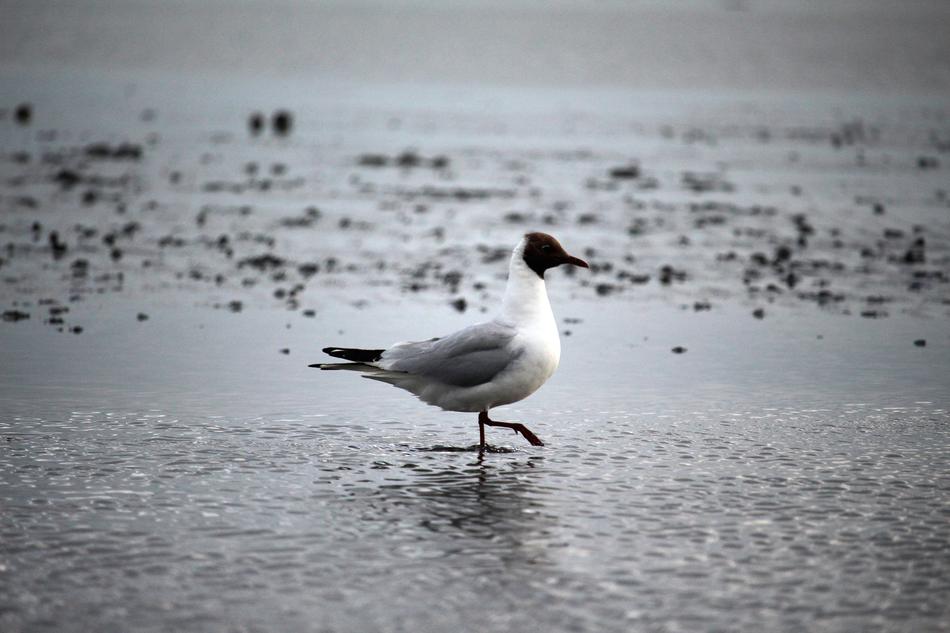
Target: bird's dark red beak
{"type": "Point", "coordinates": [576, 261]}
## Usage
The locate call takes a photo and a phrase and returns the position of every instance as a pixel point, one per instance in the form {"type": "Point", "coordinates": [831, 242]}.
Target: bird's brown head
{"type": "Point", "coordinates": [541, 251]}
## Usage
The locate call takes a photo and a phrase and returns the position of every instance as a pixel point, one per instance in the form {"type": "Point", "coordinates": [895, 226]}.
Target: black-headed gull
{"type": "Point", "coordinates": [488, 364]}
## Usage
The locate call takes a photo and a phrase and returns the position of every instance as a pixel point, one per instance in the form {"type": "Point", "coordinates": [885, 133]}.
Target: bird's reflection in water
{"type": "Point", "coordinates": [493, 503]}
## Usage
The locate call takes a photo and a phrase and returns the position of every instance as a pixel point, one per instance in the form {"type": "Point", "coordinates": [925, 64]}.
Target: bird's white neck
{"type": "Point", "coordinates": [526, 297]}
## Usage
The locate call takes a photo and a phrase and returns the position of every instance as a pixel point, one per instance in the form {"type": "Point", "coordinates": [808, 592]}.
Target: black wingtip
{"type": "Point", "coordinates": [354, 354]}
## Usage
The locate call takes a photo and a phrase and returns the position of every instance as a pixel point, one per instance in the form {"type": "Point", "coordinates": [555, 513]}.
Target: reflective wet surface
{"type": "Point", "coordinates": [827, 519]}
{"type": "Point", "coordinates": [676, 491]}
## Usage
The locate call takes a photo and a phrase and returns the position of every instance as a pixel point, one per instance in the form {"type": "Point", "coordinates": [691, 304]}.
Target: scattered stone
{"type": "Point", "coordinates": [309, 313]}
{"type": "Point", "coordinates": [235, 306]}
{"type": "Point", "coordinates": [76, 329]}
{"type": "Point", "coordinates": [262, 262]}
{"type": "Point", "coordinates": [668, 275]}
{"type": "Point", "coordinates": [920, 342]}
{"type": "Point", "coordinates": [56, 245]}
{"type": "Point", "coordinates": [285, 350]}
{"type": "Point", "coordinates": [916, 254]}
{"type": "Point", "coordinates": [123, 151]}
{"type": "Point", "coordinates": [23, 114]}
{"type": "Point", "coordinates": [408, 159]}
{"type": "Point", "coordinates": [759, 313]}
{"type": "Point", "coordinates": [679, 349]}
{"type": "Point", "coordinates": [67, 178]}
{"type": "Point", "coordinates": [460, 304]}
{"type": "Point", "coordinates": [255, 123]}
{"type": "Point", "coordinates": [309, 269]}
{"type": "Point", "coordinates": [372, 160]}
{"type": "Point", "coordinates": [282, 121]}
{"type": "Point", "coordinates": [141, 316]}
{"type": "Point", "coordinates": [12, 316]}
{"type": "Point", "coordinates": [628, 172]}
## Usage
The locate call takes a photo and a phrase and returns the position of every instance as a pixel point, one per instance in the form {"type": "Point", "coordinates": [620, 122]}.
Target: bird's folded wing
{"type": "Point", "coordinates": [467, 358]}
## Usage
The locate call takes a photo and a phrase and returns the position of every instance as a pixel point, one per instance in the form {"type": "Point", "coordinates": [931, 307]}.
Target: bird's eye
{"type": "Point", "coordinates": [545, 247]}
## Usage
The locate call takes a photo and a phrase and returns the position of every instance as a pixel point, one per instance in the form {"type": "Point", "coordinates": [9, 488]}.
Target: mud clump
{"type": "Point", "coordinates": [626, 172]}
{"type": "Point", "coordinates": [123, 151]}
{"type": "Point", "coordinates": [12, 316]}
{"type": "Point", "coordinates": [255, 123]}
{"type": "Point", "coordinates": [23, 114]}
{"type": "Point", "coordinates": [263, 262]}
{"type": "Point", "coordinates": [282, 122]}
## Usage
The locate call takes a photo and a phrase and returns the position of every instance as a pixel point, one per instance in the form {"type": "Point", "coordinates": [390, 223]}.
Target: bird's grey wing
{"type": "Point", "coordinates": [469, 357]}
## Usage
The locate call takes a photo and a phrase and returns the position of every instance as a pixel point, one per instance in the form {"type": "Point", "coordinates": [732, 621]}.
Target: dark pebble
{"type": "Point", "coordinates": [67, 178]}
{"type": "Point", "coordinates": [679, 349]}
{"type": "Point", "coordinates": [255, 123]}
{"type": "Point", "coordinates": [408, 159]}
{"type": "Point", "coordinates": [76, 329]}
{"type": "Point", "coordinates": [23, 113]}
{"type": "Point", "coordinates": [57, 246]}
{"type": "Point", "coordinates": [309, 313]}
{"type": "Point", "coordinates": [628, 172]}
{"type": "Point", "coordinates": [308, 269]}
{"type": "Point", "coordinates": [758, 313]}
{"type": "Point", "coordinates": [668, 275]}
{"type": "Point", "coordinates": [262, 262]}
{"type": "Point", "coordinates": [12, 316]}
{"type": "Point", "coordinates": [285, 350]}
{"type": "Point", "coordinates": [921, 342]}
{"type": "Point", "coordinates": [460, 304]}
{"type": "Point", "coordinates": [282, 122]}
{"type": "Point", "coordinates": [372, 160]}
{"type": "Point", "coordinates": [141, 316]}
{"type": "Point", "coordinates": [235, 306]}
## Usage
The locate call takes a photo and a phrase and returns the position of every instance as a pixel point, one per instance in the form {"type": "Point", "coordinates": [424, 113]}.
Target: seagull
{"type": "Point", "coordinates": [485, 365]}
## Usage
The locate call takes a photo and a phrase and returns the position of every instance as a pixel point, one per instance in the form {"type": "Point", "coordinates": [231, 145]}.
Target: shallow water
{"type": "Point", "coordinates": [270, 496]}
{"type": "Point", "coordinates": [784, 518]}
{"type": "Point", "coordinates": [174, 465]}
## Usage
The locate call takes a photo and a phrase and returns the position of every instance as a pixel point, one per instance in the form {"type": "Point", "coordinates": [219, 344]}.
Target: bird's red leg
{"type": "Point", "coordinates": [483, 419]}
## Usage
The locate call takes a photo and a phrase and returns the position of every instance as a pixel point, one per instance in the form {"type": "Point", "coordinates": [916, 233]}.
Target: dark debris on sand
{"type": "Point", "coordinates": [100, 213]}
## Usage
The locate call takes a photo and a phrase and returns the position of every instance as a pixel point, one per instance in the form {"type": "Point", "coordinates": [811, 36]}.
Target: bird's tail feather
{"type": "Point", "coordinates": [354, 354]}
{"type": "Point", "coordinates": [346, 366]}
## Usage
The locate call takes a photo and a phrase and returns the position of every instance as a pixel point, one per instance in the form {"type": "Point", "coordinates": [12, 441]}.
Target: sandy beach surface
{"type": "Point", "coordinates": [749, 430]}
